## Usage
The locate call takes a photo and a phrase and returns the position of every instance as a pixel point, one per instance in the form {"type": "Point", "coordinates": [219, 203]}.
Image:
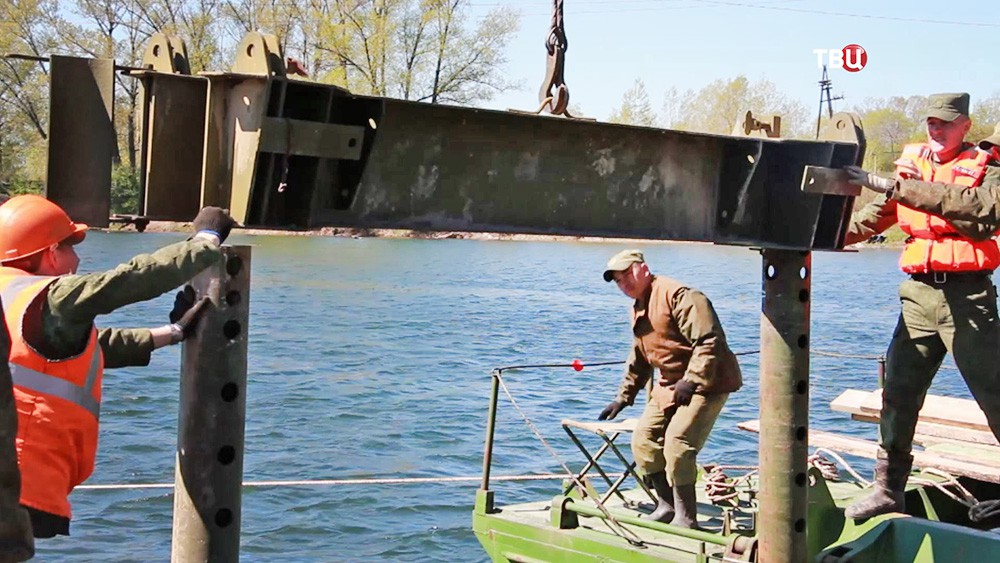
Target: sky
{"type": "Point", "coordinates": [689, 43]}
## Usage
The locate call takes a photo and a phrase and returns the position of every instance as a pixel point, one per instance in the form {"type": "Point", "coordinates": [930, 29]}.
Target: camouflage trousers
{"type": "Point", "coordinates": [670, 440]}
{"type": "Point", "coordinates": [958, 316]}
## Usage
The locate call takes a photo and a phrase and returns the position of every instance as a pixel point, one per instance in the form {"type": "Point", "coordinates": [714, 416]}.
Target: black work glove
{"type": "Point", "coordinates": [683, 391]}
{"type": "Point", "coordinates": [611, 411]}
{"type": "Point", "coordinates": [186, 311]}
{"type": "Point", "coordinates": [214, 220]}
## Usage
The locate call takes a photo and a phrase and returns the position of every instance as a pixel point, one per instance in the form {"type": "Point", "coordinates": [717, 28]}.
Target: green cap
{"type": "Point", "coordinates": [622, 261]}
{"type": "Point", "coordinates": [948, 106]}
{"type": "Point", "coordinates": [991, 141]}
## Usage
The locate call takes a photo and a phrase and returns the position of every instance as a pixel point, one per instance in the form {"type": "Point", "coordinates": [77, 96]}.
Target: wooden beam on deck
{"type": "Point", "coordinates": [963, 413]}
{"type": "Point", "coordinates": [983, 470]}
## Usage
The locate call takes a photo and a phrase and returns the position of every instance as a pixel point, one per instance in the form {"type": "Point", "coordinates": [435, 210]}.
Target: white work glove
{"type": "Point", "coordinates": [863, 178]}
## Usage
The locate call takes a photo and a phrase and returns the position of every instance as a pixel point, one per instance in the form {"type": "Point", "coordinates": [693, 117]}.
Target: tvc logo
{"type": "Point", "coordinates": [851, 58]}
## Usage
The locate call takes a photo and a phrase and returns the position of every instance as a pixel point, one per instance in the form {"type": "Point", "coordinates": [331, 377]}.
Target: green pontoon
{"type": "Point", "coordinates": [950, 514]}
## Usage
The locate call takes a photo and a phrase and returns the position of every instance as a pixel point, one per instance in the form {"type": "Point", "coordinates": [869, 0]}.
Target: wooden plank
{"type": "Point", "coordinates": [943, 431]}
{"type": "Point", "coordinates": [975, 453]}
{"type": "Point", "coordinates": [949, 411]}
{"type": "Point", "coordinates": [982, 470]}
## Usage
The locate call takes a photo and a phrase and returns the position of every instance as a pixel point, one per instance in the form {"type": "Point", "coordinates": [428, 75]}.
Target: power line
{"type": "Point", "coordinates": [843, 14]}
{"type": "Point", "coordinates": [762, 6]}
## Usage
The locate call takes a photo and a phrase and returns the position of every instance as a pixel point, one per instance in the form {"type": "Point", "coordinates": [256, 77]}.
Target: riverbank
{"type": "Point", "coordinates": [361, 232]}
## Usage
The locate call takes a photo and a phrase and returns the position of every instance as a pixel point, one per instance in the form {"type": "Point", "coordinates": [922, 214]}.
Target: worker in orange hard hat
{"type": "Point", "coordinates": [58, 356]}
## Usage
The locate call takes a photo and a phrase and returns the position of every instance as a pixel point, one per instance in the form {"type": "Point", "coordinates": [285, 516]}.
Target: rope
{"type": "Point", "coordinates": [621, 530]}
{"type": "Point", "coordinates": [719, 488]}
{"type": "Point", "coordinates": [826, 468]}
{"type": "Point", "coordinates": [963, 496]}
{"type": "Point", "coordinates": [852, 356]}
{"type": "Point", "coordinates": [570, 365]}
{"type": "Point", "coordinates": [847, 466]}
{"type": "Point", "coordinates": [619, 362]}
{"type": "Point", "coordinates": [328, 482]}
{"type": "Point", "coordinates": [983, 510]}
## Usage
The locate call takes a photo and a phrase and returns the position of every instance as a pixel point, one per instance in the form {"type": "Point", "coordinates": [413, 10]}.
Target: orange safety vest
{"type": "Point", "coordinates": [935, 245]}
{"type": "Point", "coordinates": [58, 401]}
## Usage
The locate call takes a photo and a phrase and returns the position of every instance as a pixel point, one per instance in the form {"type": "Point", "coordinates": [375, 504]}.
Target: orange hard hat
{"type": "Point", "coordinates": [31, 223]}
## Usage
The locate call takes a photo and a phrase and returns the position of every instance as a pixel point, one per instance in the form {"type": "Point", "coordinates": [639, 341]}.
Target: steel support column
{"type": "Point", "coordinates": [209, 472]}
{"type": "Point", "coordinates": [784, 405]}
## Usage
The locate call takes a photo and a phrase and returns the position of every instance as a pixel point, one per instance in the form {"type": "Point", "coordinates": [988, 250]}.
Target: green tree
{"type": "Point", "coordinates": [717, 107]}
{"type": "Point", "coordinates": [26, 27]}
{"type": "Point", "coordinates": [636, 108]}
{"type": "Point", "coordinates": [194, 21]}
{"type": "Point", "coordinates": [985, 116]}
{"type": "Point", "coordinates": [422, 50]}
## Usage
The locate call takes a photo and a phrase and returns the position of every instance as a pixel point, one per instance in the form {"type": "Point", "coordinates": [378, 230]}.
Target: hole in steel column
{"type": "Point", "coordinates": [231, 329]}
{"type": "Point", "coordinates": [223, 517]}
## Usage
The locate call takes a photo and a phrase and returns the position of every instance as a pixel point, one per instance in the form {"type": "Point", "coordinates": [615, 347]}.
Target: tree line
{"type": "Point", "coordinates": [426, 50]}
{"type": "Point", "coordinates": [889, 123]}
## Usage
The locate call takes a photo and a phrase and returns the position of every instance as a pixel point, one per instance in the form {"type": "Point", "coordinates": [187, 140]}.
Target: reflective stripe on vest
{"type": "Point", "coordinates": [57, 387]}
{"type": "Point", "coordinates": [17, 285]}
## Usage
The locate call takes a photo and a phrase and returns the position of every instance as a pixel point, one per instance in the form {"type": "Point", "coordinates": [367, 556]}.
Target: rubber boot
{"type": "Point", "coordinates": [891, 473]}
{"type": "Point", "coordinates": [16, 540]}
{"type": "Point", "coordinates": [664, 510]}
{"type": "Point", "coordinates": [686, 502]}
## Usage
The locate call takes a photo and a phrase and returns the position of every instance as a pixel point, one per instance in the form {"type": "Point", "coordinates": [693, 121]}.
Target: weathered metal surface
{"type": "Point", "coordinates": [210, 431]}
{"type": "Point", "coordinates": [174, 117]}
{"type": "Point", "coordinates": [750, 126]}
{"type": "Point", "coordinates": [784, 405]}
{"type": "Point", "coordinates": [166, 53]}
{"type": "Point", "coordinates": [441, 168]}
{"type": "Point", "coordinates": [274, 155]}
{"type": "Point", "coordinates": [260, 54]}
{"type": "Point", "coordinates": [296, 137]}
{"type": "Point", "coordinates": [834, 181]}
{"type": "Point", "coordinates": [491, 421]}
{"type": "Point", "coordinates": [82, 143]}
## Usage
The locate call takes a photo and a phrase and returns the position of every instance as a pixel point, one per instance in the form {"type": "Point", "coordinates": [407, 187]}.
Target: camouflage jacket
{"type": "Point", "coordinates": [74, 301]}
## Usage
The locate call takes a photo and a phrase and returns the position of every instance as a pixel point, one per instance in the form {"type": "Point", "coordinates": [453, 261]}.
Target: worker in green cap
{"type": "Point", "coordinates": [677, 333]}
{"type": "Point", "coordinates": [954, 202]}
{"type": "Point", "coordinates": [949, 304]}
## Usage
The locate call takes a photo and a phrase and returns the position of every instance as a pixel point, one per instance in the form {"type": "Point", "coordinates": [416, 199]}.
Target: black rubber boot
{"type": "Point", "coordinates": [686, 502]}
{"type": "Point", "coordinates": [664, 510]}
{"type": "Point", "coordinates": [891, 473]}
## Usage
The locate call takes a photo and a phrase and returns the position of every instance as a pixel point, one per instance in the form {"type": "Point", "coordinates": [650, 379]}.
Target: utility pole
{"type": "Point", "coordinates": [825, 85]}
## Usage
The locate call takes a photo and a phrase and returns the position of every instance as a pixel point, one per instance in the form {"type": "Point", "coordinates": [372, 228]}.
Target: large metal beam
{"type": "Point", "coordinates": [284, 152]}
{"type": "Point", "coordinates": [82, 143]}
{"type": "Point", "coordinates": [439, 168]}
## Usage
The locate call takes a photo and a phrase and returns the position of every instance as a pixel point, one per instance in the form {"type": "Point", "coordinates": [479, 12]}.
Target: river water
{"type": "Point", "coordinates": [370, 358]}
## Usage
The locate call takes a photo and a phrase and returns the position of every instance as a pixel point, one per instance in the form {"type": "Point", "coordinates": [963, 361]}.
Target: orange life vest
{"type": "Point", "coordinates": [935, 245]}
{"type": "Point", "coordinates": [58, 402]}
